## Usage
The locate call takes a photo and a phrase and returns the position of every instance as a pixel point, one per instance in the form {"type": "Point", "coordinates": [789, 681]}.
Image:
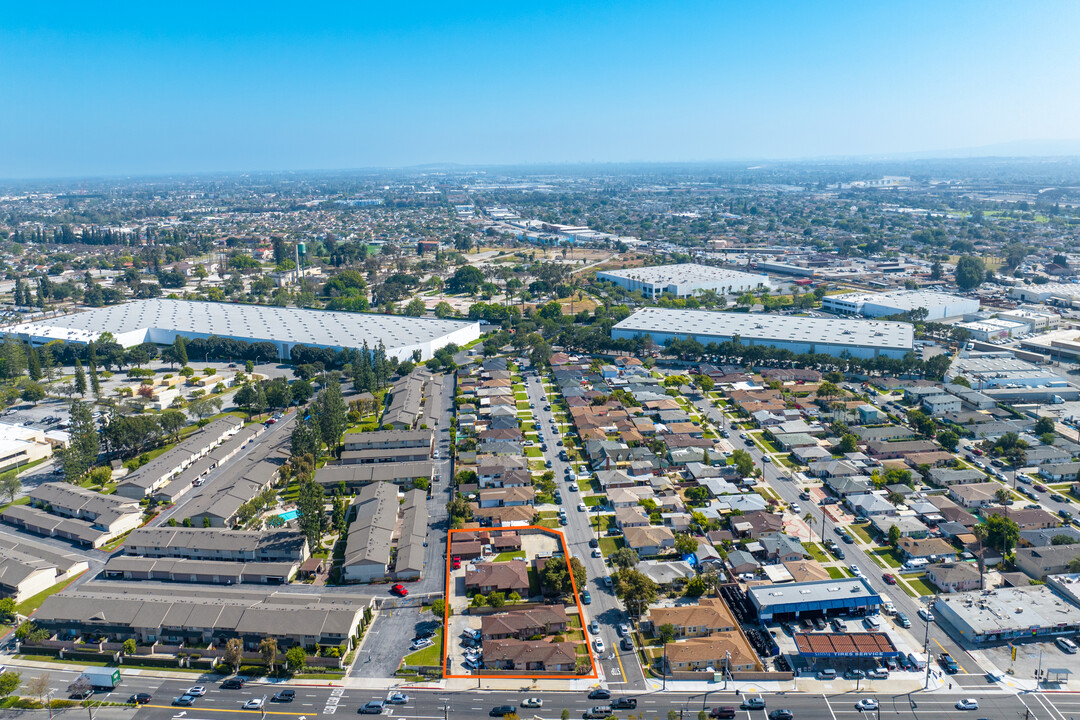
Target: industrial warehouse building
{"type": "Point", "coordinates": [160, 321]}
{"type": "Point", "coordinates": [684, 280]}
{"type": "Point", "coordinates": [822, 598]}
{"type": "Point", "coordinates": [858, 338]}
{"type": "Point", "coordinates": [1006, 613]}
{"type": "Point", "coordinates": [938, 305]}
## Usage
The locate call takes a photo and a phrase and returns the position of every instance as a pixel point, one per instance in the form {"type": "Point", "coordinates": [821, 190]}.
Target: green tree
{"type": "Point", "coordinates": [1044, 425]}
{"type": "Point", "coordinates": [252, 398]}
{"type": "Point", "coordinates": [233, 654]}
{"type": "Point", "coordinates": [130, 646]}
{"type": "Point", "coordinates": [443, 310]}
{"type": "Point", "coordinates": [84, 442]}
{"type": "Point", "coordinates": [894, 535]}
{"type": "Point", "coordinates": [269, 650]}
{"type": "Point", "coordinates": [1002, 533]}
{"type": "Point", "coordinates": [33, 364]}
{"type": "Point", "coordinates": [172, 421]}
{"type": "Point", "coordinates": [10, 485]}
{"type": "Point", "coordinates": [205, 407]}
{"type": "Point", "coordinates": [666, 633]}
{"type": "Point", "coordinates": [301, 391]}
{"type": "Point", "coordinates": [294, 658]}
{"type": "Point", "coordinates": [100, 476]}
{"type": "Point", "coordinates": [935, 270]}
{"type": "Point", "coordinates": [310, 505]}
{"type": "Point", "coordinates": [685, 544]}
{"type": "Point", "coordinates": [948, 440]}
{"type": "Point", "coordinates": [743, 461]}
{"type": "Point", "coordinates": [636, 588]}
{"type": "Point", "coordinates": [970, 272]}
{"type": "Point", "coordinates": [9, 682]}
{"type": "Point", "coordinates": [496, 599]}
{"type": "Point", "coordinates": [179, 351]}
{"type": "Point", "coordinates": [849, 443]}
{"type": "Point", "coordinates": [7, 609]}
{"type": "Point", "coordinates": [332, 414]}
{"type": "Point", "coordinates": [80, 378]}
{"type": "Point", "coordinates": [625, 558]}
{"type": "Point", "coordinates": [438, 608]}
{"type": "Point", "coordinates": [416, 308]}
{"type": "Point", "coordinates": [32, 392]}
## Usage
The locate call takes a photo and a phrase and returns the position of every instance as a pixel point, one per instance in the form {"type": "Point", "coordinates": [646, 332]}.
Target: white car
{"type": "Point", "coordinates": [581, 507]}
{"type": "Point", "coordinates": [926, 615]}
{"type": "Point", "coordinates": [532, 703]}
{"type": "Point", "coordinates": [598, 644]}
{"type": "Point", "coordinates": [594, 627]}
{"type": "Point", "coordinates": [197, 691]}
{"type": "Point", "coordinates": [596, 553]}
{"type": "Point", "coordinates": [253, 704]}
{"type": "Point", "coordinates": [867, 704]}
{"type": "Point", "coordinates": [967, 704]}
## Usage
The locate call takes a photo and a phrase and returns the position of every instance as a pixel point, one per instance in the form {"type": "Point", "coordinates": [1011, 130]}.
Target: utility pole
{"type": "Point", "coordinates": [664, 668]}
{"type": "Point", "coordinates": [926, 647]}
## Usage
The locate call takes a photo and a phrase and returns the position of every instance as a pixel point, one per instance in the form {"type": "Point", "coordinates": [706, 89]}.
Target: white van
{"type": "Point", "coordinates": [1066, 644]}
{"type": "Point", "coordinates": [916, 564]}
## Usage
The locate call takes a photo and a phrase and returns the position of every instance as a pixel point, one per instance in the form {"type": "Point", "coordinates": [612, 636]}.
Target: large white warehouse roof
{"type": "Point", "coordinates": [863, 338]}
{"type": "Point", "coordinates": [160, 321]}
{"type": "Point", "coordinates": [684, 279]}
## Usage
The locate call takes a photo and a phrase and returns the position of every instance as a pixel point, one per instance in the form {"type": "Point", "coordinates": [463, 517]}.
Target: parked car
{"type": "Point", "coordinates": [399, 590]}
{"type": "Point", "coordinates": [926, 615]}
{"type": "Point", "coordinates": [827, 674]}
{"type": "Point", "coordinates": [196, 691]}
{"type": "Point", "coordinates": [233, 683]}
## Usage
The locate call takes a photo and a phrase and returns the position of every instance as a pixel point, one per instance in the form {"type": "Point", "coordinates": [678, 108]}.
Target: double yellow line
{"type": "Point", "coordinates": [190, 708]}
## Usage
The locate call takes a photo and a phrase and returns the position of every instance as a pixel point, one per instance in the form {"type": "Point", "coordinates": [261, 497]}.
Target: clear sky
{"type": "Point", "coordinates": [103, 88]}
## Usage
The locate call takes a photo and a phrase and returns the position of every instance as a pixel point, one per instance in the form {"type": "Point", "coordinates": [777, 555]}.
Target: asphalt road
{"type": "Point", "coordinates": [313, 701]}
{"type": "Point", "coordinates": [788, 490]}
{"type": "Point", "coordinates": [620, 668]}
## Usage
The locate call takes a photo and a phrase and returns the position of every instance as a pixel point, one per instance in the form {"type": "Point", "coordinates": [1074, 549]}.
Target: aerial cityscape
{"type": "Point", "coordinates": [426, 416]}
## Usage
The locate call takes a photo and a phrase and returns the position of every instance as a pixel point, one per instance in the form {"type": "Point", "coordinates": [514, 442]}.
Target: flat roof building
{"type": "Point", "coordinates": [160, 321]}
{"type": "Point", "coordinates": [684, 280]}
{"type": "Point", "coordinates": [1006, 613]}
{"type": "Point", "coordinates": [938, 305]}
{"type": "Point", "coordinates": [858, 338]}
{"type": "Point", "coordinates": [844, 596]}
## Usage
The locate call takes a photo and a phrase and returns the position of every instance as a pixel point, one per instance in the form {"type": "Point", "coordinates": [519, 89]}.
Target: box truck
{"type": "Point", "coordinates": [102, 678]}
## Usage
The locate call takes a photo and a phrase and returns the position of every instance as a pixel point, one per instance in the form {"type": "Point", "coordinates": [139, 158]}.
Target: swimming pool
{"type": "Point", "coordinates": [289, 515]}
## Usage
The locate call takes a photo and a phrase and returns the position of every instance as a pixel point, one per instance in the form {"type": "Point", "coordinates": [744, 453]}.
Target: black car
{"type": "Point", "coordinates": [781, 714]}
{"type": "Point", "coordinates": [624, 704]}
{"type": "Point", "coordinates": [139, 698]}
{"type": "Point", "coordinates": [626, 644]}
{"type": "Point", "coordinates": [233, 683]}
{"type": "Point", "coordinates": [502, 710]}
{"type": "Point", "coordinates": [593, 542]}
{"type": "Point", "coordinates": [599, 694]}
{"type": "Point", "coordinates": [283, 696]}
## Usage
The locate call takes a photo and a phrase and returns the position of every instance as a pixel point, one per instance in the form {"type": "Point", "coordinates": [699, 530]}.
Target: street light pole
{"type": "Point", "coordinates": [664, 668]}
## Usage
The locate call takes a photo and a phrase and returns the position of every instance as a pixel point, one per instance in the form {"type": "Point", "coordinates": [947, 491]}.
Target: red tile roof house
{"type": "Point", "coordinates": [530, 655]}
{"type": "Point", "coordinates": [510, 576]}
{"type": "Point", "coordinates": [524, 623]}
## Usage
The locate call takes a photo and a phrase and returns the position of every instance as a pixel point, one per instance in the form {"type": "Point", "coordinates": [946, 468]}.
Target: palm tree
{"type": "Point", "coordinates": [980, 535]}
{"type": "Point", "coordinates": [810, 520]}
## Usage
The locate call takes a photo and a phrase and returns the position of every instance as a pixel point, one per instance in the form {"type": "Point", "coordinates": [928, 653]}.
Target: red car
{"type": "Point", "coordinates": [457, 563]}
{"type": "Point", "coordinates": [400, 590]}
{"type": "Point", "coordinates": [889, 578]}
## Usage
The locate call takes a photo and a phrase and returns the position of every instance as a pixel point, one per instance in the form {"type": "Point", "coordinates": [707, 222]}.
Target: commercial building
{"type": "Point", "coordinates": [1006, 613]}
{"type": "Point", "coordinates": [994, 329]}
{"type": "Point", "coordinates": [857, 338]}
{"type": "Point", "coordinates": [1061, 293]}
{"type": "Point", "coordinates": [20, 445]}
{"type": "Point", "coordinates": [937, 305]}
{"type": "Point", "coordinates": [1004, 377]}
{"type": "Point", "coordinates": [684, 280]}
{"type": "Point", "coordinates": [846, 596]}
{"type": "Point", "coordinates": [160, 321]}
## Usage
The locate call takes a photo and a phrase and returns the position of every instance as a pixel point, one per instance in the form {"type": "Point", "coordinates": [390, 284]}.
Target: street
{"type": "Point", "coordinates": [619, 668]}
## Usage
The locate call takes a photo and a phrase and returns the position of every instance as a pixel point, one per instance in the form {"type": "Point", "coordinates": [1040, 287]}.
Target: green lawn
{"type": "Point", "coordinates": [847, 573]}
{"type": "Point", "coordinates": [835, 573]}
{"type": "Point", "coordinates": [921, 586]}
{"type": "Point", "coordinates": [608, 545]}
{"type": "Point", "coordinates": [513, 555]}
{"type": "Point", "coordinates": [594, 500]}
{"type": "Point", "coordinates": [605, 521]}
{"type": "Point", "coordinates": [534, 452]}
{"type": "Point", "coordinates": [31, 604]}
{"type": "Point", "coordinates": [429, 655]}
{"type": "Point", "coordinates": [816, 552]}
{"type": "Point", "coordinates": [860, 531]}
{"type": "Point", "coordinates": [889, 556]}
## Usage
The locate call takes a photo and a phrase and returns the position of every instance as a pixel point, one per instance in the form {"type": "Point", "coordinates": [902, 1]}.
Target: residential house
{"type": "Point", "coordinates": [977, 495]}
{"type": "Point", "coordinates": [530, 655]}
{"type": "Point", "coordinates": [652, 540]}
{"type": "Point", "coordinates": [507, 577]}
{"type": "Point", "coordinates": [524, 623]}
{"type": "Point", "coordinates": [954, 577]}
{"type": "Point", "coordinates": [928, 548]}
{"type": "Point", "coordinates": [706, 617]}
{"type": "Point", "coordinates": [1038, 562]}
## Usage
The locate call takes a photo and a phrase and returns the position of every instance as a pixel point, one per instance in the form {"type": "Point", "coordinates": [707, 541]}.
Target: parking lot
{"type": "Point", "coordinates": [387, 641]}
{"type": "Point", "coordinates": [1031, 657]}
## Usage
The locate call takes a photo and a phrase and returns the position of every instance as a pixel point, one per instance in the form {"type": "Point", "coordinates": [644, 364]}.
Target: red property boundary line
{"type": "Point", "coordinates": [581, 613]}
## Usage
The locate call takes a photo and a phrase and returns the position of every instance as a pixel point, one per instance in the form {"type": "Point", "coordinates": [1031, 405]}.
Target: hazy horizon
{"type": "Point", "coordinates": [137, 90]}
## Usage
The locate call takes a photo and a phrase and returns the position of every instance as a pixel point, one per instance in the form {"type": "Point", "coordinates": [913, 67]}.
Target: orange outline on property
{"type": "Point", "coordinates": [577, 600]}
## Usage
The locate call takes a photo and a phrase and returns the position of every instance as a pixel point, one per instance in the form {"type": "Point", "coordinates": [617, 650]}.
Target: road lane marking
{"type": "Point", "coordinates": [225, 710]}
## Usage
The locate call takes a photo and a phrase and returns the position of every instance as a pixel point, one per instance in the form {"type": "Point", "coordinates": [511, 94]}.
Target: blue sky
{"type": "Point", "coordinates": [147, 88]}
